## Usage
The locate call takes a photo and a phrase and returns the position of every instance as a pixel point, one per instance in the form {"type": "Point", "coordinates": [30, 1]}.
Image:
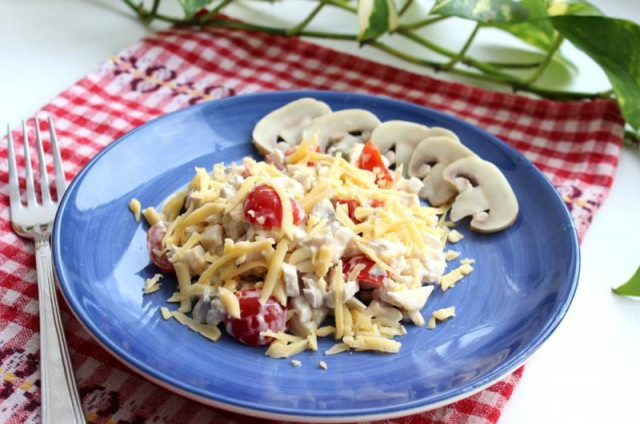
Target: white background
{"type": "Point", "coordinates": [586, 373]}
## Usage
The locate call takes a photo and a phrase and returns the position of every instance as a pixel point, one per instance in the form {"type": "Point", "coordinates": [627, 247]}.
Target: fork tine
{"type": "Point", "coordinates": [31, 192]}
{"type": "Point", "coordinates": [61, 181]}
{"type": "Point", "coordinates": [14, 191]}
{"type": "Point", "coordinates": [44, 179]}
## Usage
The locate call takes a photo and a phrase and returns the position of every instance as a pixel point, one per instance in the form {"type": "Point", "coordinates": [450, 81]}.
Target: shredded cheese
{"type": "Point", "coordinates": [444, 313]}
{"type": "Point", "coordinates": [165, 312]}
{"type": "Point", "coordinates": [208, 331]}
{"type": "Point", "coordinates": [230, 302]}
{"type": "Point", "coordinates": [449, 280]}
{"type": "Point", "coordinates": [389, 227]}
{"type": "Point", "coordinates": [135, 206]}
{"type": "Point", "coordinates": [275, 269]}
{"type": "Point", "coordinates": [184, 285]}
{"type": "Point", "coordinates": [151, 216]}
{"type": "Point", "coordinates": [431, 324]}
{"type": "Point", "coordinates": [337, 348]}
{"type": "Point", "coordinates": [278, 349]}
{"type": "Point", "coordinates": [454, 236]}
{"type": "Point", "coordinates": [173, 205]}
{"type": "Point", "coordinates": [450, 255]}
{"type": "Point", "coordinates": [151, 284]}
{"type": "Point", "coordinates": [380, 344]}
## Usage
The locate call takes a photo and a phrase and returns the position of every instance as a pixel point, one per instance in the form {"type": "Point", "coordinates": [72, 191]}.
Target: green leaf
{"type": "Point", "coordinates": [572, 7]}
{"type": "Point", "coordinates": [483, 10]}
{"type": "Point", "coordinates": [631, 287]}
{"type": "Point", "coordinates": [524, 19]}
{"type": "Point", "coordinates": [191, 7]}
{"type": "Point", "coordinates": [376, 17]}
{"type": "Point", "coordinates": [612, 44]}
{"type": "Point", "coordinates": [513, 11]}
{"type": "Point", "coordinates": [537, 32]}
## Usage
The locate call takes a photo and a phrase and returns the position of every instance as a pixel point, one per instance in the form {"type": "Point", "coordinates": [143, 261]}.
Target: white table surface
{"type": "Point", "coordinates": [588, 370]}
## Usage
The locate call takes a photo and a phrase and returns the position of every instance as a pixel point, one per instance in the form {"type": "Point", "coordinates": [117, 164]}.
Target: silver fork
{"type": "Point", "coordinates": [60, 400]}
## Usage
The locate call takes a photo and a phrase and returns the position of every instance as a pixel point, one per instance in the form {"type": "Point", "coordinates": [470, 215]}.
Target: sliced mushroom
{"type": "Point", "coordinates": [287, 124]}
{"type": "Point", "coordinates": [442, 132]}
{"type": "Point", "coordinates": [400, 136]}
{"type": "Point", "coordinates": [346, 127]}
{"type": "Point", "coordinates": [429, 160]}
{"type": "Point", "coordinates": [485, 194]}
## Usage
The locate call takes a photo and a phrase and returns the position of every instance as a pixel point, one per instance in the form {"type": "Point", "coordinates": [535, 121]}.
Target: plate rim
{"type": "Point", "coordinates": [287, 413]}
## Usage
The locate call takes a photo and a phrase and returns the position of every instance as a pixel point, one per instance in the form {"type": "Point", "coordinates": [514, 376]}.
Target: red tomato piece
{"type": "Point", "coordinates": [262, 207]}
{"type": "Point", "coordinates": [371, 160]}
{"type": "Point", "coordinates": [255, 318]}
{"type": "Point", "coordinates": [376, 203]}
{"type": "Point", "coordinates": [366, 279]}
{"type": "Point", "coordinates": [352, 204]}
{"type": "Point", "coordinates": [154, 245]}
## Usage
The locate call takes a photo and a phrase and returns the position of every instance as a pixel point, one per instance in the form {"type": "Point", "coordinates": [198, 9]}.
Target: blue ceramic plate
{"type": "Point", "coordinates": [524, 281]}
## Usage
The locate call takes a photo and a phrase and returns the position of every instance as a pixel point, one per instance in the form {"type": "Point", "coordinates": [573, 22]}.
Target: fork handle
{"type": "Point", "coordinates": [61, 402]}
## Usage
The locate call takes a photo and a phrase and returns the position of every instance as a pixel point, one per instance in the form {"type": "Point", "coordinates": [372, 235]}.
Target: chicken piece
{"type": "Point", "coordinates": [195, 259]}
{"type": "Point", "coordinates": [212, 238]}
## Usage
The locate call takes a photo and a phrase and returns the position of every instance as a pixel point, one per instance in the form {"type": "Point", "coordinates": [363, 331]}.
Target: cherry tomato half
{"type": "Point", "coordinates": [371, 160]}
{"type": "Point", "coordinates": [255, 318]}
{"type": "Point", "coordinates": [154, 244]}
{"type": "Point", "coordinates": [366, 279]}
{"type": "Point", "coordinates": [262, 207]}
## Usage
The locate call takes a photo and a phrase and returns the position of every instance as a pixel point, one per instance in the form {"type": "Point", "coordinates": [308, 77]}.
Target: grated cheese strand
{"type": "Point", "coordinates": [135, 206]}
{"type": "Point", "coordinates": [275, 269]}
{"type": "Point", "coordinates": [184, 285]}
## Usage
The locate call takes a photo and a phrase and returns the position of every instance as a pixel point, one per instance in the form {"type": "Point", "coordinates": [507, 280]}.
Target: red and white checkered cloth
{"type": "Point", "coordinates": [576, 144]}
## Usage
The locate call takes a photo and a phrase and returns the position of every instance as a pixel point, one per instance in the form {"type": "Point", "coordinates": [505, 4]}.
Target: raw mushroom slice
{"type": "Point", "coordinates": [287, 124]}
{"type": "Point", "coordinates": [485, 195]}
{"type": "Point", "coordinates": [342, 129]}
{"type": "Point", "coordinates": [428, 162]}
{"type": "Point", "coordinates": [402, 137]}
{"type": "Point", "coordinates": [442, 132]}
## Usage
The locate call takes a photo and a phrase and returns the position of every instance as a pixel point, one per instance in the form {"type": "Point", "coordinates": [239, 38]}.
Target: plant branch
{"type": "Point", "coordinates": [154, 10]}
{"type": "Point", "coordinates": [142, 13]}
{"type": "Point", "coordinates": [422, 22]}
{"type": "Point", "coordinates": [343, 5]}
{"type": "Point", "coordinates": [489, 72]}
{"type": "Point", "coordinates": [545, 62]}
{"type": "Point", "coordinates": [302, 25]}
{"type": "Point", "coordinates": [513, 65]}
{"type": "Point", "coordinates": [213, 12]}
{"type": "Point", "coordinates": [454, 60]}
{"type": "Point", "coordinates": [483, 67]}
{"type": "Point", "coordinates": [405, 7]}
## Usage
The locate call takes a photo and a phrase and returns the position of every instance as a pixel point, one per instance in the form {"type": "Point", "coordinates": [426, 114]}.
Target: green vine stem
{"type": "Point", "coordinates": [488, 71]}
{"type": "Point", "coordinates": [302, 25]}
{"type": "Point", "coordinates": [405, 7]}
{"type": "Point", "coordinates": [422, 22]}
{"type": "Point", "coordinates": [213, 12]}
{"type": "Point", "coordinates": [545, 62]}
{"type": "Point", "coordinates": [485, 71]}
{"type": "Point", "coordinates": [454, 60]}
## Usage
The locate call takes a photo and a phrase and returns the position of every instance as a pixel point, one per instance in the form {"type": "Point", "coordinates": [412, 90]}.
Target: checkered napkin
{"type": "Point", "coordinates": [576, 144]}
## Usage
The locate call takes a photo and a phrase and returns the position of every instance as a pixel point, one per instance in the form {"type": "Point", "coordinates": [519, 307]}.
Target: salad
{"type": "Point", "coordinates": [322, 239]}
